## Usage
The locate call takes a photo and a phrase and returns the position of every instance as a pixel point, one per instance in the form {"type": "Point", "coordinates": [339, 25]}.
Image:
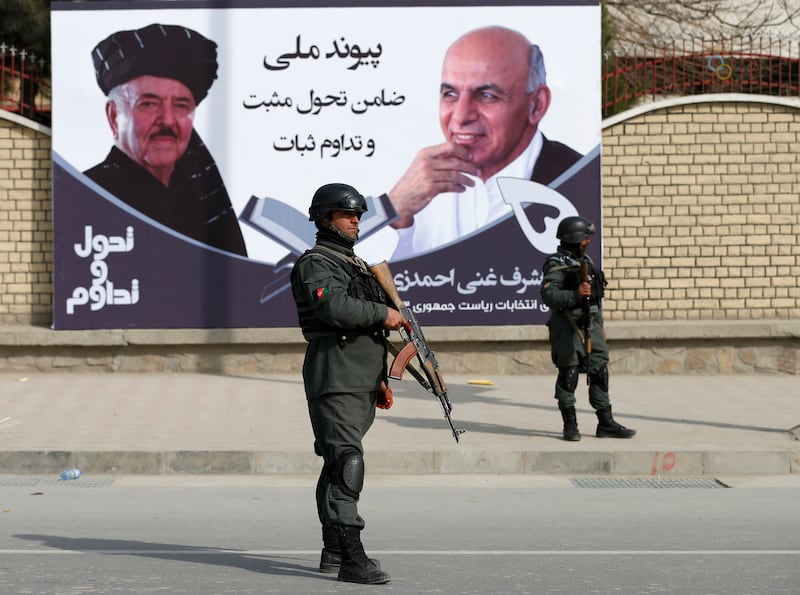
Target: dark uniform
{"type": "Point", "coordinates": [341, 311]}
{"type": "Point", "coordinates": [570, 319]}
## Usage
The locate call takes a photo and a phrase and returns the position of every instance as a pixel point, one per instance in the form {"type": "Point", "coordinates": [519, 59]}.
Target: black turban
{"type": "Point", "coordinates": [167, 51]}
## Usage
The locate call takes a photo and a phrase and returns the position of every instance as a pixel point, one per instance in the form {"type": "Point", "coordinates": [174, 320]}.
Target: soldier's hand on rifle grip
{"type": "Point", "coordinates": [584, 290]}
{"type": "Point", "coordinates": [394, 320]}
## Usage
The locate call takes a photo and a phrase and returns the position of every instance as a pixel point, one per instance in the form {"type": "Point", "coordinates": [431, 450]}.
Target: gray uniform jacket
{"type": "Point", "coordinates": [560, 293]}
{"type": "Point", "coordinates": [347, 351]}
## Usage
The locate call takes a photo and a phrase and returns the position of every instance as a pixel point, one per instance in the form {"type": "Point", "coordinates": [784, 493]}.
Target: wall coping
{"type": "Point", "coordinates": [26, 122]}
{"type": "Point", "coordinates": [668, 102]}
{"type": "Point", "coordinates": [642, 331]}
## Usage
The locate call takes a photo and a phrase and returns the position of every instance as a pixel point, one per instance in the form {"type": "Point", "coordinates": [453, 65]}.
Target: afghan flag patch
{"type": "Point", "coordinates": [321, 292]}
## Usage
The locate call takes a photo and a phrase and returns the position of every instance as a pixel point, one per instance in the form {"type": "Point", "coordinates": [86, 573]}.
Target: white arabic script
{"type": "Point", "coordinates": [102, 292]}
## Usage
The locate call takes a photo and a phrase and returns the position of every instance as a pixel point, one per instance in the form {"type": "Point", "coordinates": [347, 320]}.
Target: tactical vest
{"type": "Point", "coordinates": [572, 277]}
{"type": "Point", "coordinates": [361, 285]}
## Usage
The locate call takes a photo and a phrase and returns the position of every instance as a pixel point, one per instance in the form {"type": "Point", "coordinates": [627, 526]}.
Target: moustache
{"type": "Point", "coordinates": [165, 132]}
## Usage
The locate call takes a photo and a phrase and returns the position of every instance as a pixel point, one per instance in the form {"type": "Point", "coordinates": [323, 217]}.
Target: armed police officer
{"type": "Point", "coordinates": [573, 290]}
{"type": "Point", "coordinates": [343, 314]}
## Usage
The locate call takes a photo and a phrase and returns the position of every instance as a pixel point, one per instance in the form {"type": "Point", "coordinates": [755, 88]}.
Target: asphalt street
{"type": "Point", "coordinates": [433, 534]}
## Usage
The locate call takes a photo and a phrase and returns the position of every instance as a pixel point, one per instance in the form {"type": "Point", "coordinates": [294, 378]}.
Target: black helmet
{"type": "Point", "coordinates": [335, 197]}
{"type": "Point", "coordinates": [572, 230]}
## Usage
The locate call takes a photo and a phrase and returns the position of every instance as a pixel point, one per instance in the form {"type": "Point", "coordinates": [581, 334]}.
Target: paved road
{"type": "Point", "coordinates": [460, 534]}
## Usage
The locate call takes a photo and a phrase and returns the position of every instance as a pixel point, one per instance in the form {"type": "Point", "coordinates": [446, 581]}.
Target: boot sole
{"type": "Point", "coordinates": [331, 567]}
{"type": "Point", "coordinates": [375, 581]}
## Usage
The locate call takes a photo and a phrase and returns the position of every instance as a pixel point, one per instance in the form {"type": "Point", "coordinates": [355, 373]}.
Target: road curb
{"type": "Point", "coordinates": [679, 463]}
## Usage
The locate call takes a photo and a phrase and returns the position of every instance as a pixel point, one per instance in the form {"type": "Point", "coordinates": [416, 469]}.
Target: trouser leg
{"type": "Point", "coordinates": [597, 370]}
{"type": "Point", "coordinates": [607, 427]}
{"type": "Point", "coordinates": [340, 421]}
{"type": "Point", "coordinates": [330, 557]}
{"type": "Point", "coordinates": [598, 387]}
{"type": "Point", "coordinates": [566, 382]}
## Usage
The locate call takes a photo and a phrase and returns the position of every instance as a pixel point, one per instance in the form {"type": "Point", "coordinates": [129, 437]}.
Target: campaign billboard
{"type": "Point", "coordinates": [189, 138]}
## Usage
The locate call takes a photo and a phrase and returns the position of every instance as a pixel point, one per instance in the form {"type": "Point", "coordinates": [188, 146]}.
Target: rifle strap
{"type": "Point", "coordinates": [354, 260]}
{"type": "Point", "coordinates": [574, 324]}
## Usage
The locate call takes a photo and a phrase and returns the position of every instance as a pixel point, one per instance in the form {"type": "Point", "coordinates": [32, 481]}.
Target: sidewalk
{"type": "Point", "coordinates": [204, 423]}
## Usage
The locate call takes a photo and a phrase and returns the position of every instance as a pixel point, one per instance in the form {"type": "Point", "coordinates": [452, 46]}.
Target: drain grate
{"type": "Point", "coordinates": [645, 482]}
{"type": "Point", "coordinates": [32, 481]}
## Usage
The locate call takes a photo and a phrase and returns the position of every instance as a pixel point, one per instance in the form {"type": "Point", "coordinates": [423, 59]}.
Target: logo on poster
{"type": "Point", "coordinates": [102, 292]}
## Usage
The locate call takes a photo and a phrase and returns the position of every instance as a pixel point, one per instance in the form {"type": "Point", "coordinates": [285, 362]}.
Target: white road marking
{"type": "Point", "coordinates": [221, 552]}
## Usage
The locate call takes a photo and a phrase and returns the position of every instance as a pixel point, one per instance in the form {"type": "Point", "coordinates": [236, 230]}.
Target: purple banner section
{"type": "Point", "coordinates": [493, 277]}
{"type": "Point", "coordinates": [117, 269]}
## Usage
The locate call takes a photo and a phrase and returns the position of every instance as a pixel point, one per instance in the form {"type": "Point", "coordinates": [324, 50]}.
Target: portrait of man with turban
{"type": "Point", "coordinates": [154, 78]}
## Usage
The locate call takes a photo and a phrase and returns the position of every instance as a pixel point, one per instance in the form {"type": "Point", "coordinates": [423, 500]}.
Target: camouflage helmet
{"type": "Point", "coordinates": [572, 230]}
{"type": "Point", "coordinates": [335, 197]}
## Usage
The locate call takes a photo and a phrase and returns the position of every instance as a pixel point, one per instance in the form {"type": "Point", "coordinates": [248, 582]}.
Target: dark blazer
{"type": "Point", "coordinates": [554, 160]}
{"type": "Point", "coordinates": [196, 203]}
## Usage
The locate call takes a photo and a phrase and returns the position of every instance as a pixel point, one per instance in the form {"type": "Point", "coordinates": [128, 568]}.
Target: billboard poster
{"type": "Point", "coordinates": [189, 138]}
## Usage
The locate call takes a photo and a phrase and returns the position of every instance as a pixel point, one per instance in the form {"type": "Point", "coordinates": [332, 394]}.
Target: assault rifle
{"type": "Point", "coordinates": [586, 304]}
{"type": "Point", "coordinates": [586, 318]}
{"type": "Point", "coordinates": [415, 344]}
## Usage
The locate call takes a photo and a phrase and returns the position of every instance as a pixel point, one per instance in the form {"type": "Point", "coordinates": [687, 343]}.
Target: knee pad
{"type": "Point", "coordinates": [599, 378]}
{"type": "Point", "coordinates": [568, 378]}
{"type": "Point", "coordinates": [350, 473]}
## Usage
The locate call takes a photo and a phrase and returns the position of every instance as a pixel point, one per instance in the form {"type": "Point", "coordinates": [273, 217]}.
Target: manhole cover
{"type": "Point", "coordinates": [28, 481]}
{"type": "Point", "coordinates": [646, 482]}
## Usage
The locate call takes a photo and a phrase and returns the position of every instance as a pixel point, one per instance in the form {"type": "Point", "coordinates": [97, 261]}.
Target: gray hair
{"type": "Point", "coordinates": [115, 93]}
{"type": "Point", "coordinates": [537, 76]}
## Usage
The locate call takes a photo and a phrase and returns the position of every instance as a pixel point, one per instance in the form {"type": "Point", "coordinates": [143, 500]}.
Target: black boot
{"type": "Point", "coordinates": [571, 432]}
{"type": "Point", "coordinates": [331, 554]}
{"type": "Point", "coordinates": [331, 557]}
{"type": "Point", "coordinates": [355, 566]}
{"type": "Point", "coordinates": [608, 428]}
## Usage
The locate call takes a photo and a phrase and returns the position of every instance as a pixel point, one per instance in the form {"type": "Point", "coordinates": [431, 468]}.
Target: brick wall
{"type": "Point", "coordinates": [701, 206]}
{"type": "Point", "coordinates": [701, 211]}
{"type": "Point", "coordinates": [26, 223]}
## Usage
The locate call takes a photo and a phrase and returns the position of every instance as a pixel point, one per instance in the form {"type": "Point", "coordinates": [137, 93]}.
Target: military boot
{"type": "Point", "coordinates": [571, 432]}
{"type": "Point", "coordinates": [355, 566]}
{"type": "Point", "coordinates": [331, 557]}
{"type": "Point", "coordinates": [608, 428]}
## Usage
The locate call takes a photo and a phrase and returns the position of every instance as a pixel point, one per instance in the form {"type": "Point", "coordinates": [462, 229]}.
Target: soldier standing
{"type": "Point", "coordinates": [343, 314]}
{"type": "Point", "coordinates": [577, 337]}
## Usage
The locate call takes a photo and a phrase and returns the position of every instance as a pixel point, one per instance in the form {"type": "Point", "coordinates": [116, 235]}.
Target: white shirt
{"type": "Point", "coordinates": [453, 215]}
